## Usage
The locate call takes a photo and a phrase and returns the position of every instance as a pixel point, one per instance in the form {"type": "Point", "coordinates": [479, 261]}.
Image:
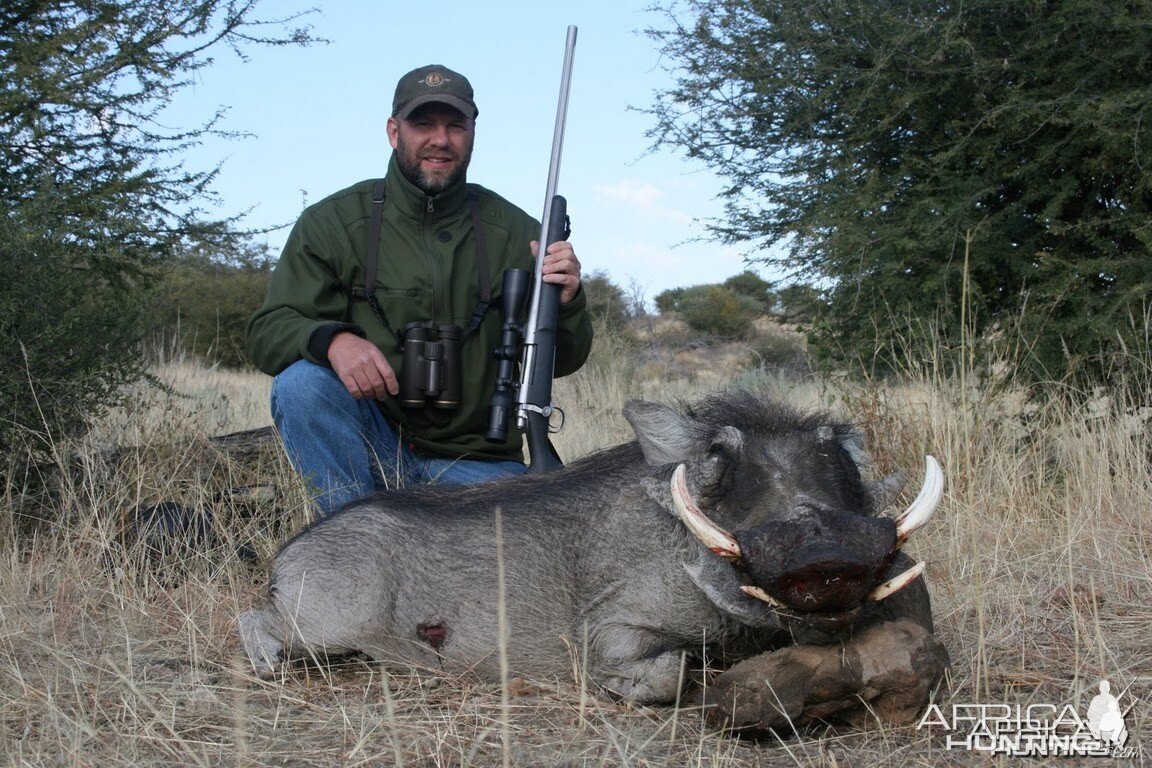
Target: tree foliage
{"type": "Point", "coordinates": [750, 284]}
{"type": "Point", "coordinates": [798, 303]}
{"type": "Point", "coordinates": [609, 305]}
{"type": "Point", "coordinates": [979, 166]}
{"type": "Point", "coordinates": [84, 87]}
{"type": "Point", "coordinates": [71, 337]}
{"type": "Point", "coordinates": [96, 195]}
{"type": "Point", "coordinates": [716, 309]}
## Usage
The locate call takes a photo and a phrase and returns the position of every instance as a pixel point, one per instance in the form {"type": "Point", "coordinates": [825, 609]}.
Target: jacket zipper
{"type": "Point", "coordinates": [430, 254]}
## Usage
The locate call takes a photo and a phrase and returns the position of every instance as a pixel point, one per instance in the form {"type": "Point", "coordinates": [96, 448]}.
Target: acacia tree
{"type": "Point", "coordinates": [95, 193]}
{"type": "Point", "coordinates": [979, 167]}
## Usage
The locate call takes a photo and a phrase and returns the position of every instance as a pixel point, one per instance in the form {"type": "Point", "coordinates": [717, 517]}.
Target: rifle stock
{"type": "Point", "coordinates": [539, 364]}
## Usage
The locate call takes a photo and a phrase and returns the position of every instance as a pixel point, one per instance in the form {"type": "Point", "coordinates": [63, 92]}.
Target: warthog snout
{"type": "Point", "coordinates": [823, 562]}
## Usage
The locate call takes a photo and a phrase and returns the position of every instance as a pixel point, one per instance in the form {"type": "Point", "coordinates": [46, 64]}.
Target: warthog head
{"type": "Point", "coordinates": [780, 496]}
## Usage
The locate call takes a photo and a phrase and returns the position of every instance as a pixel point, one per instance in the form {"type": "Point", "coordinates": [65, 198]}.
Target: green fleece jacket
{"type": "Point", "coordinates": [426, 271]}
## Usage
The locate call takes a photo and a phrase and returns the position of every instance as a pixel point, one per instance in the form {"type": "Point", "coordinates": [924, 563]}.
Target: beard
{"type": "Point", "coordinates": [432, 182]}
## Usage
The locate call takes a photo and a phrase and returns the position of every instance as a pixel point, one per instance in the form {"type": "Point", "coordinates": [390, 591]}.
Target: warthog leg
{"type": "Point", "coordinates": [263, 647]}
{"type": "Point", "coordinates": [653, 677]}
{"type": "Point", "coordinates": [886, 672]}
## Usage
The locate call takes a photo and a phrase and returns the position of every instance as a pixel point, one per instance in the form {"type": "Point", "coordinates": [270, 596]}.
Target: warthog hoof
{"type": "Point", "coordinates": [883, 673]}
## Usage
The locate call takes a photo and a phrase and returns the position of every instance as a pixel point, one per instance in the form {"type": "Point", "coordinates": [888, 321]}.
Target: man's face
{"type": "Point", "coordinates": [433, 146]}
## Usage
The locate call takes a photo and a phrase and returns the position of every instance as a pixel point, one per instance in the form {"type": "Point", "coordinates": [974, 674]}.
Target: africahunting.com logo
{"type": "Point", "coordinates": [1038, 730]}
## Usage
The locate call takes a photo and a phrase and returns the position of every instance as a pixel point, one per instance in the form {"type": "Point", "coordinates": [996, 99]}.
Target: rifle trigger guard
{"type": "Point", "coordinates": [547, 412]}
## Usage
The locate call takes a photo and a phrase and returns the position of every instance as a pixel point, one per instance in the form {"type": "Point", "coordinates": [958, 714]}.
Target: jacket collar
{"type": "Point", "coordinates": [412, 201]}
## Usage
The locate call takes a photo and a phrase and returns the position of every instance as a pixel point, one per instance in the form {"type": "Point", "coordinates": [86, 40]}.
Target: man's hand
{"type": "Point", "coordinates": [362, 367]}
{"type": "Point", "coordinates": [561, 267]}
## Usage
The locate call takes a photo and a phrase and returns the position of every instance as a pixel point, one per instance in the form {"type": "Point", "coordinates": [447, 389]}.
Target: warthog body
{"type": "Point", "coordinates": [597, 561]}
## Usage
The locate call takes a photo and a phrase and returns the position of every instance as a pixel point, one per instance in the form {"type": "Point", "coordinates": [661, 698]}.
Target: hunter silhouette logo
{"type": "Point", "coordinates": [1105, 720]}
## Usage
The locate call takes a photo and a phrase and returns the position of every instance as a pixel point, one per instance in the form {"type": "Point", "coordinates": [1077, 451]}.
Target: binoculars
{"type": "Point", "coordinates": [431, 370]}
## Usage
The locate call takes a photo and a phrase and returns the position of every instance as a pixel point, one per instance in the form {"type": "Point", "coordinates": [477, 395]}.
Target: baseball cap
{"type": "Point", "coordinates": [430, 83]}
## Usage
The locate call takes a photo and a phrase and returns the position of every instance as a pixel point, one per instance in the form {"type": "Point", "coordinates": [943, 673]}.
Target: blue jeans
{"type": "Point", "coordinates": [346, 449]}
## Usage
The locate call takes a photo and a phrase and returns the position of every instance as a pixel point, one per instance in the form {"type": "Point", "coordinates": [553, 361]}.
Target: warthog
{"type": "Point", "coordinates": [733, 527]}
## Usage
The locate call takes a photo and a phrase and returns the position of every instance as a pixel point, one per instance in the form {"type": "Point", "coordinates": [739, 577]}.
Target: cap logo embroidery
{"type": "Point", "coordinates": [434, 80]}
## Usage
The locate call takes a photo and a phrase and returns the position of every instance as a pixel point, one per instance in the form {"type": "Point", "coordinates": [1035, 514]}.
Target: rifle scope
{"type": "Point", "coordinates": [516, 285]}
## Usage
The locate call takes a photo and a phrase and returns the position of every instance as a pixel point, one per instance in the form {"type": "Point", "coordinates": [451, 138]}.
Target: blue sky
{"type": "Point", "coordinates": [319, 115]}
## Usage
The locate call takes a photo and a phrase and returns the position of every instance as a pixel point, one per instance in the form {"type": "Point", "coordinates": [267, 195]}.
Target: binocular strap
{"type": "Point", "coordinates": [483, 272]}
{"type": "Point", "coordinates": [372, 250]}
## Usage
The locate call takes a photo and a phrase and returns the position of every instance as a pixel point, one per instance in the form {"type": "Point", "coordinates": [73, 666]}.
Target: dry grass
{"type": "Point", "coordinates": [1039, 565]}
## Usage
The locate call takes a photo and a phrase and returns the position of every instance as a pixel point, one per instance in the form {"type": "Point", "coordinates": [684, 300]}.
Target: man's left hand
{"type": "Point", "coordinates": [561, 267]}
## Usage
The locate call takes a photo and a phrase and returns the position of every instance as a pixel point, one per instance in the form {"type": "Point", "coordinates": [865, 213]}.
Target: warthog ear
{"type": "Point", "coordinates": [666, 436]}
{"type": "Point", "coordinates": [853, 443]}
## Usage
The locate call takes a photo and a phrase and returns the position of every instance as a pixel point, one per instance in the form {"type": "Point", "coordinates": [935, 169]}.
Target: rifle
{"type": "Point", "coordinates": [535, 340]}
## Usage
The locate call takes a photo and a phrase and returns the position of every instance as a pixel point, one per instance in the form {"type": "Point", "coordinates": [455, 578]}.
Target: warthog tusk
{"type": "Point", "coordinates": [925, 502]}
{"type": "Point", "coordinates": [897, 583]}
{"type": "Point", "coordinates": [710, 535]}
{"type": "Point", "coordinates": [759, 594]}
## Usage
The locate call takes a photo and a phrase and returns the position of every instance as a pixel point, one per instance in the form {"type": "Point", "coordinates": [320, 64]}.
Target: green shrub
{"type": "Point", "coordinates": [74, 337]}
{"type": "Point", "coordinates": [668, 301]}
{"type": "Point", "coordinates": [773, 347]}
{"type": "Point", "coordinates": [719, 311]}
